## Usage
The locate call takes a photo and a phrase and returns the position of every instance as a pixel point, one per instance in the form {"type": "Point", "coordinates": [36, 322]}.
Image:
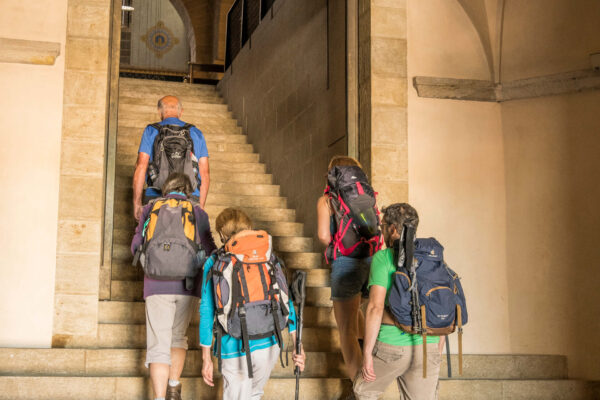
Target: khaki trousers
{"type": "Point", "coordinates": [404, 364]}
{"type": "Point", "coordinates": [236, 383]}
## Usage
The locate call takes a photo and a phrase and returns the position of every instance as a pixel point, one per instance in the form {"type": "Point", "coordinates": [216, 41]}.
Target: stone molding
{"type": "Point", "coordinates": [479, 90]}
{"type": "Point", "coordinates": [22, 51]}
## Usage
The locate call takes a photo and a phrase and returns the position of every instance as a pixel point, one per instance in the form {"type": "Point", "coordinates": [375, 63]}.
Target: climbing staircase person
{"type": "Point", "coordinates": [170, 242]}
{"type": "Point", "coordinates": [246, 301]}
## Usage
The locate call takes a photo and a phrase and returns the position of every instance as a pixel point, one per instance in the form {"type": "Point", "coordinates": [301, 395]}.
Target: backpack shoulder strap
{"type": "Point", "coordinates": [156, 126]}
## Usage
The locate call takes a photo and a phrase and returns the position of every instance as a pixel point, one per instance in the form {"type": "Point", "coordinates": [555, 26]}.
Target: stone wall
{"type": "Point", "coordinates": [383, 149]}
{"type": "Point", "coordinates": [81, 192]}
{"type": "Point", "coordinates": [287, 89]}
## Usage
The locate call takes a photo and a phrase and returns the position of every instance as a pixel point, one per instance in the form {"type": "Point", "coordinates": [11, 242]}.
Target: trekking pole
{"type": "Point", "coordinates": [298, 288]}
{"type": "Point", "coordinates": [448, 357]}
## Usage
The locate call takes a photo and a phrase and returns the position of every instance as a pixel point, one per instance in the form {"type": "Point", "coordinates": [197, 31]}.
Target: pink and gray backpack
{"type": "Point", "coordinates": [355, 212]}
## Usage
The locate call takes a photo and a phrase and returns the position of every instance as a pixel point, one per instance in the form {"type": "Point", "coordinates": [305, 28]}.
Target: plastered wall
{"type": "Point", "coordinates": [510, 188]}
{"type": "Point", "coordinates": [32, 105]}
{"type": "Point", "coordinates": [456, 169]}
{"type": "Point", "coordinates": [551, 148]}
{"type": "Point", "coordinates": [287, 89]}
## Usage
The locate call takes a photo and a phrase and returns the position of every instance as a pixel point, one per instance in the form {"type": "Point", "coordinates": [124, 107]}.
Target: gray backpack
{"type": "Point", "coordinates": [173, 151]}
{"type": "Point", "coordinates": [169, 251]}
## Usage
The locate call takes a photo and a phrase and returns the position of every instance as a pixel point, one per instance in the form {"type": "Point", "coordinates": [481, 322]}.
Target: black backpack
{"type": "Point", "coordinates": [173, 151]}
{"type": "Point", "coordinates": [354, 206]}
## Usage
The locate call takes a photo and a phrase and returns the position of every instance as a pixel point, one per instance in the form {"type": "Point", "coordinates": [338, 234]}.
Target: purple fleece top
{"type": "Point", "coordinates": [203, 237]}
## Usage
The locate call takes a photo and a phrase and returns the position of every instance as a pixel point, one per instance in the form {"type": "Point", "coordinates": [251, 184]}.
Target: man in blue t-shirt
{"type": "Point", "coordinates": [169, 109]}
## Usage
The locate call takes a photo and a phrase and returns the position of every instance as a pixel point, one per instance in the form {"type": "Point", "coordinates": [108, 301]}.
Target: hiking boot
{"type": "Point", "coordinates": [173, 392]}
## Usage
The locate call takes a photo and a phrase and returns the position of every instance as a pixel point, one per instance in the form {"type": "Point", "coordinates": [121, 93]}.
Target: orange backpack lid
{"type": "Point", "coordinates": [251, 247]}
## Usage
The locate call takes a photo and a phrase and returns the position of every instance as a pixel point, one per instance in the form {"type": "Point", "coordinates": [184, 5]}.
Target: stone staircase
{"type": "Point", "coordinates": [111, 366]}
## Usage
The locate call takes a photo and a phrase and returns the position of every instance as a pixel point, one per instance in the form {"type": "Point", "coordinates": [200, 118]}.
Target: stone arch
{"type": "Point", "coordinates": [487, 18]}
{"type": "Point", "coordinates": [189, 27]}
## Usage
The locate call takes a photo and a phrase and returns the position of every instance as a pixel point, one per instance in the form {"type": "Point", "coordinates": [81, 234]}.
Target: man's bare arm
{"type": "Point", "coordinates": [205, 177]}
{"type": "Point", "coordinates": [139, 176]}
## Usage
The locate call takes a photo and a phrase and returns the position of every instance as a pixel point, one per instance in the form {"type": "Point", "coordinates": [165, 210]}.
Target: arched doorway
{"type": "Point", "coordinates": [157, 36]}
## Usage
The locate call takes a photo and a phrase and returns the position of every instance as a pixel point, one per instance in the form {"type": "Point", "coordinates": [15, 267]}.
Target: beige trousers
{"type": "Point", "coordinates": [404, 364]}
{"type": "Point", "coordinates": [236, 383]}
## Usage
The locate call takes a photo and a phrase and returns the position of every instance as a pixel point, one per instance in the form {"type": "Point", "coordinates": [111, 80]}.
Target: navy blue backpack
{"type": "Point", "coordinates": [432, 287]}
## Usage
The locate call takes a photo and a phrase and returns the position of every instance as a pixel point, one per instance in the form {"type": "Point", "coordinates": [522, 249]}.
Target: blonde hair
{"type": "Point", "coordinates": [231, 221]}
{"type": "Point", "coordinates": [343, 161]}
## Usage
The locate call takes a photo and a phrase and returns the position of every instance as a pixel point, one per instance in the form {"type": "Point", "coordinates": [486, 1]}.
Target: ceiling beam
{"type": "Point", "coordinates": [479, 90]}
{"type": "Point", "coordinates": [28, 51]}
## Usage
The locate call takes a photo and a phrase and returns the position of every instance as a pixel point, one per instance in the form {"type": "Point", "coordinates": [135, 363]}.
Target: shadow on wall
{"type": "Point", "coordinates": [287, 88]}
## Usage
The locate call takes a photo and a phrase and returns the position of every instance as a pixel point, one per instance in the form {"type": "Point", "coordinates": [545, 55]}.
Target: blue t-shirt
{"type": "Point", "coordinates": [147, 146]}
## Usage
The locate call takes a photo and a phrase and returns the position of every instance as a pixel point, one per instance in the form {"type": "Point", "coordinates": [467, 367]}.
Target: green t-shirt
{"type": "Point", "coordinates": [382, 274]}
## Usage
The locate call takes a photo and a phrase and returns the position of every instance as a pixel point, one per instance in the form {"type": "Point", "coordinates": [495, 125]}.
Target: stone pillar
{"type": "Point", "coordinates": [383, 97]}
{"type": "Point", "coordinates": [81, 193]}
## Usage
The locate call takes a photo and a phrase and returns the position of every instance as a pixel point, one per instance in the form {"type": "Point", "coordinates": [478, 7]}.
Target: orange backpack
{"type": "Point", "coordinates": [251, 292]}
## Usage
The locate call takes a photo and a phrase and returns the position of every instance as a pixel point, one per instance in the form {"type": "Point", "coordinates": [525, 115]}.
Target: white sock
{"type": "Point", "coordinates": [173, 382]}
{"type": "Point", "coordinates": [159, 398]}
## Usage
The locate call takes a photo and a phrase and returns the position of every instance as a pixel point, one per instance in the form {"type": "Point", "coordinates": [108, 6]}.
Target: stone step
{"type": "Point", "coordinates": [116, 388]}
{"type": "Point", "coordinates": [133, 336]}
{"type": "Point", "coordinates": [124, 221]}
{"type": "Point", "coordinates": [122, 237]}
{"type": "Point", "coordinates": [130, 158]}
{"type": "Point", "coordinates": [132, 136]}
{"type": "Point", "coordinates": [224, 188]}
{"type": "Point", "coordinates": [126, 171]}
{"type": "Point", "coordinates": [210, 132]}
{"type": "Point", "coordinates": [149, 98]}
{"type": "Point", "coordinates": [131, 287]}
{"type": "Point", "coordinates": [122, 270]}
{"type": "Point", "coordinates": [151, 95]}
{"type": "Point", "coordinates": [275, 228]}
{"type": "Point", "coordinates": [162, 86]}
{"type": "Point", "coordinates": [219, 175]}
{"type": "Point", "coordinates": [318, 296]}
{"type": "Point", "coordinates": [132, 312]}
{"type": "Point", "coordinates": [303, 260]}
{"type": "Point", "coordinates": [130, 362]}
{"type": "Point", "coordinates": [200, 119]}
{"type": "Point", "coordinates": [148, 107]}
{"type": "Point", "coordinates": [215, 147]}
{"type": "Point", "coordinates": [123, 204]}
{"type": "Point", "coordinates": [255, 213]}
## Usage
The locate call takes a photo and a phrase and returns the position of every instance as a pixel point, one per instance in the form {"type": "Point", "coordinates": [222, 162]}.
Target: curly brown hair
{"type": "Point", "coordinates": [400, 215]}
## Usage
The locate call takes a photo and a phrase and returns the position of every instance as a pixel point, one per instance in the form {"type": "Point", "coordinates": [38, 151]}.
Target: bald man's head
{"type": "Point", "coordinates": [169, 106]}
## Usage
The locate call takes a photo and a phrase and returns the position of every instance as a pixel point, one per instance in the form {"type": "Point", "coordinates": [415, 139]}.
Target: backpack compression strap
{"type": "Point", "coordinates": [238, 306]}
{"type": "Point", "coordinates": [274, 308]}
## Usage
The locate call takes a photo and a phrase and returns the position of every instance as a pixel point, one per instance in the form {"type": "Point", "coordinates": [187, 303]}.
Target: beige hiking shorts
{"type": "Point", "coordinates": [167, 319]}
